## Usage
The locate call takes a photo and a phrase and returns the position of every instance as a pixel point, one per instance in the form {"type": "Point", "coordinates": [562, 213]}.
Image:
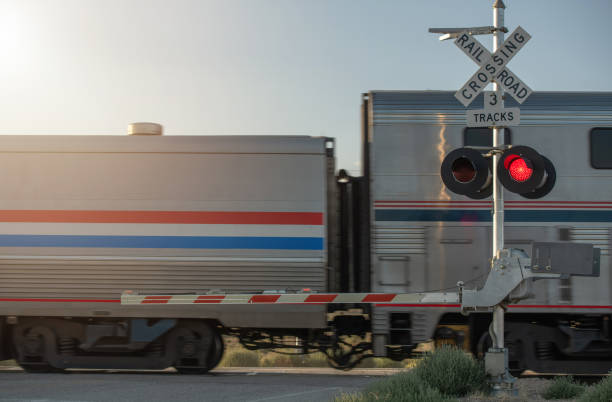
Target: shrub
{"type": "Point", "coordinates": [402, 387]}
{"type": "Point", "coordinates": [563, 388]}
{"type": "Point", "coordinates": [240, 358]}
{"type": "Point", "coordinates": [600, 392]}
{"type": "Point", "coordinates": [452, 372]}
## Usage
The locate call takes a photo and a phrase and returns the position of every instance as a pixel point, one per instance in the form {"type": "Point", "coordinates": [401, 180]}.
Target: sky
{"type": "Point", "coordinates": [274, 67]}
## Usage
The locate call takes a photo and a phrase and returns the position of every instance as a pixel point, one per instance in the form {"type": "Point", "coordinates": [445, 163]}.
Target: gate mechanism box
{"type": "Point", "coordinates": [565, 258]}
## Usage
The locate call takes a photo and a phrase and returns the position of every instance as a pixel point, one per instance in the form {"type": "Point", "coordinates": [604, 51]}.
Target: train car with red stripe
{"type": "Point", "coordinates": [259, 237]}
{"type": "Point", "coordinates": [83, 218]}
{"type": "Point", "coordinates": [426, 238]}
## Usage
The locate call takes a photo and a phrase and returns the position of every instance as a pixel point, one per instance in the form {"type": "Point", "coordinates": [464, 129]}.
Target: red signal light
{"type": "Point", "coordinates": [522, 170]}
{"type": "Point", "coordinates": [518, 168]}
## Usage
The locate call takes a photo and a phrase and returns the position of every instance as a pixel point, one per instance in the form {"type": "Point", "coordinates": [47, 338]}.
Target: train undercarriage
{"type": "Point", "coordinates": [190, 346]}
{"type": "Point", "coordinates": [52, 344]}
{"type": "Point", "coordinates": [552, 343]}
{"type": "Point", "coordinates": [543, 343]}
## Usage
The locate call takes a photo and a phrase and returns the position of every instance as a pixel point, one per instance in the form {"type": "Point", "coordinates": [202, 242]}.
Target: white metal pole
{"type": "Point", "coordinates": [498, 195]}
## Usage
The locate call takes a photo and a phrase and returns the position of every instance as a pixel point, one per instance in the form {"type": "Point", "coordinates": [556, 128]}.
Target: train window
{"type": "Point", "coordinates": [482, 137]}
{"type": "Point", "coordinates": [601, 148]}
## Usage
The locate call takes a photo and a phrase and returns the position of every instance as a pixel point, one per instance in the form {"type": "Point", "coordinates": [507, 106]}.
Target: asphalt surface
{"type": "Point", "coordinates": [241, 385]}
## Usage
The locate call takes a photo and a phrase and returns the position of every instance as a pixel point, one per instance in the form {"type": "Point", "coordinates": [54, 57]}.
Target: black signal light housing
{"type": "Point", "coordinates": [467, 172]}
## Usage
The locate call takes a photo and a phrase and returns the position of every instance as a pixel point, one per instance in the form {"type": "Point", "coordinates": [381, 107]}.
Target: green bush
{"type": "Point", "coordinates": [563, 388]}
{"type": "Point", "coordinates": [240, 358]}
{"type": "Point", "coordinates": [402, 387]}
{"type": "Point", "coordinates": [600, 392]}
{"type": "Point", "coordinates": [452, 372]}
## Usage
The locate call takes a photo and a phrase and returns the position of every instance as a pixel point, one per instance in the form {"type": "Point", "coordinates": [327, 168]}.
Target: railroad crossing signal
{"type": "Point", "coordinates": [493, 67]}
{"type": "Point", "coordinates": [520, 169]}
{"type": "Point", "coordinates": [521, 166]}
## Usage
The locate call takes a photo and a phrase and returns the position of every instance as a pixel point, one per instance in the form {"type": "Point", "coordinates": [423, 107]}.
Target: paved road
{"type": "Point", "coordinates": [225, 386]}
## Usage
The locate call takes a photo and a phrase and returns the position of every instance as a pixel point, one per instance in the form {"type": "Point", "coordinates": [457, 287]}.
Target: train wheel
{"type": "Point", "coordinates": [30, 345]}
{"type": "Point", "coordinates": [195, 347]}
{"type": "Point", "coordinates": [217, 354]}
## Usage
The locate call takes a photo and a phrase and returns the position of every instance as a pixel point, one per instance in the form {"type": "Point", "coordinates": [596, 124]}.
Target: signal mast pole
{"type": "Point", "coordinates": [498, 195]}
{"type": "Point", "coordinates": [503, 382]}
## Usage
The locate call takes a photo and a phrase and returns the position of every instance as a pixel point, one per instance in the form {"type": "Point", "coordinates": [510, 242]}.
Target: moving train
{"type": "Point", "coordinates": [85, 218]}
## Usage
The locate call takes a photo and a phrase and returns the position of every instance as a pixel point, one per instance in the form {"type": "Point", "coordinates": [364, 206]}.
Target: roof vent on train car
{"type": "Point", "coordinates": [145, 129]}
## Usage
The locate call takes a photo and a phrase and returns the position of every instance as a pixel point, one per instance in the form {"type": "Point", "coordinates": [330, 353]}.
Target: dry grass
{"type": "Point", "coordinates": [237, 356]}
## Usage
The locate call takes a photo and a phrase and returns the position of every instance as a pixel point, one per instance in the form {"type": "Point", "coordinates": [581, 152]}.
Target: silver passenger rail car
{"type": "Point", "coordinates": [425, 238]}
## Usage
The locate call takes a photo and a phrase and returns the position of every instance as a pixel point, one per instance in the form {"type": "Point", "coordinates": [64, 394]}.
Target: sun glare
{"type": "Point", "coordinates": [17, 31]}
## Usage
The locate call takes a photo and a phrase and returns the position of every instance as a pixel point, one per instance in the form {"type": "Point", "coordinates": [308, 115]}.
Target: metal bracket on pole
{"type": "Point", "coordinates": [452, 33]}
{"type": "Point", "coordinates": [513, 272]}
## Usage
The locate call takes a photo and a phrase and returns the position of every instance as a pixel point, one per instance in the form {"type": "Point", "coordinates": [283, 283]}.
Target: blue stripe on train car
{"type": "Point", "coordinates": [484, 215]}
{"type": "Point", "coordinates": [187, 242]}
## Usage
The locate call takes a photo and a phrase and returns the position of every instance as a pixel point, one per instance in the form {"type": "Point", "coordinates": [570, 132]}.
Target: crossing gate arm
{"type": "Point", "coordinates": [452, 299]}
{"type": "Point", "coordinates": [510, 278]}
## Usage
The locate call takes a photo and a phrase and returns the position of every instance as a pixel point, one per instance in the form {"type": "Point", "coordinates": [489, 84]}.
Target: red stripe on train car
{"type": "Point", "coordinates": [558, 202]}
{"type": "Point", "coordinates": [209, 299]}
{"type": "Point", "coordinates": [489, 202]}
{"type": "Point", "coordinates": [557, 306]}
{"type": "Point", "coordinates": [433, 202]}
{"type": "Point", "coordinates": [568, 207]}
{"type": "Point", "coordinates": [320, 298]}
{"type": "Point", "coordinates": [156, 299]}
{"type": "Point", "coordinates": [379, 298]}
{"type": "Point", "coordinates": [183, 217]}
{"type": "Point", "coordinates": [264, 298]}
{"type": "Point", "coordinates": [463, 206]}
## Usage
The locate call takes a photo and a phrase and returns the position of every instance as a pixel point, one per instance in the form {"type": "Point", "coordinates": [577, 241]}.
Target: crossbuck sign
{"type": "Point", "coordinates": [493, 67]}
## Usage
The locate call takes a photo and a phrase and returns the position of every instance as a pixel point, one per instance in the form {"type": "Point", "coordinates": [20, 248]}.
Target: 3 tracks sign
{"type": "Point", "coordinates": [493, 114]}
